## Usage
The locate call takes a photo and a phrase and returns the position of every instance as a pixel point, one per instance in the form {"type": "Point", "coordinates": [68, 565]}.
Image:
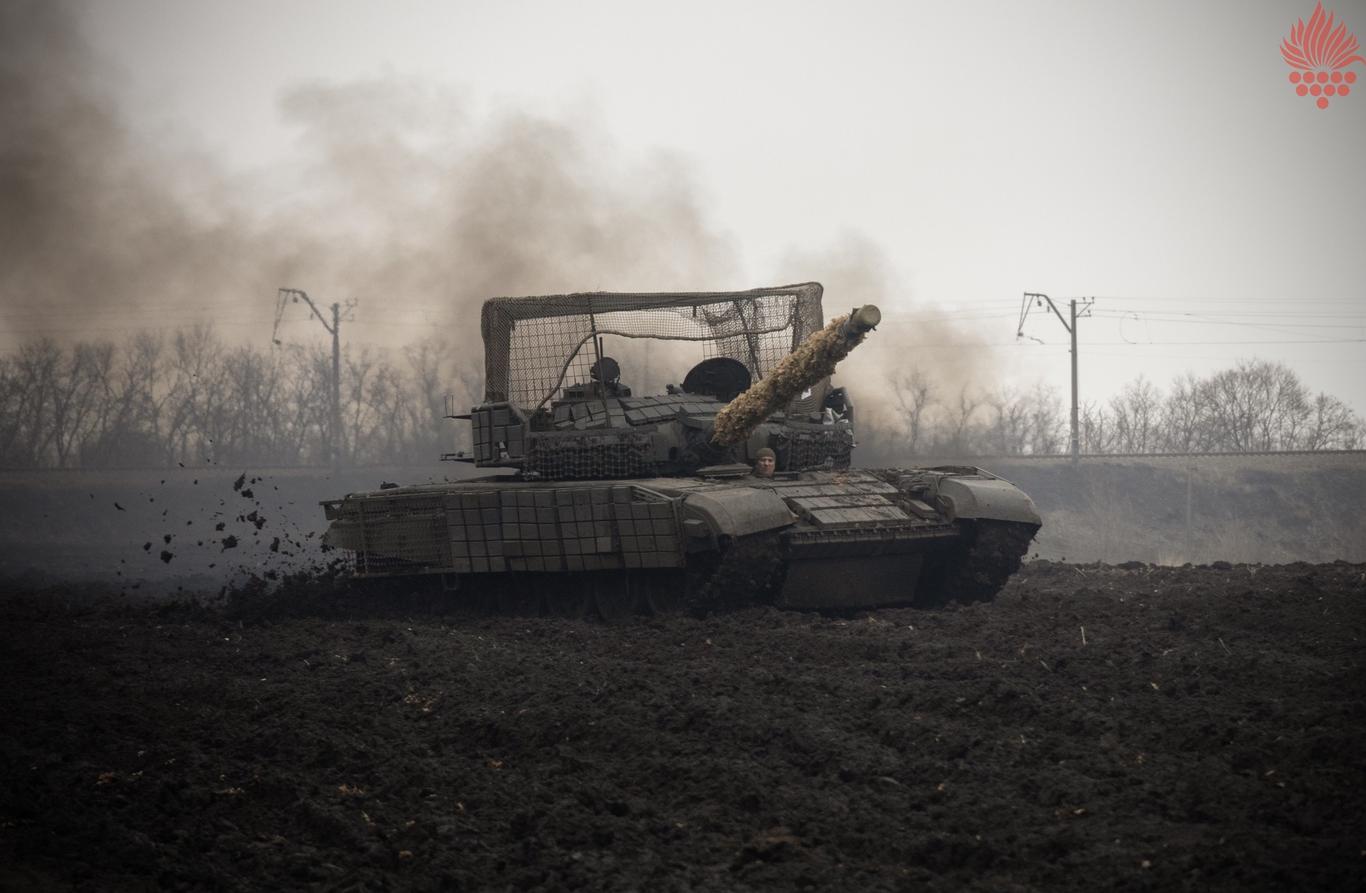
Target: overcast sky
{"type": "Point", "coordinates": [1154, 155]}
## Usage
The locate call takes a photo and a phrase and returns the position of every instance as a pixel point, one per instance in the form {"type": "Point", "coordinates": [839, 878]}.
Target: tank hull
{"type": "Point", "coordinates": [810, 540]}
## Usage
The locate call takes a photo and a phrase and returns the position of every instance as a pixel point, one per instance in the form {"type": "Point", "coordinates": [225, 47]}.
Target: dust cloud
{"type": "Point", "coordinates": [402, 201]}
{"type": "Point", "coordinates": [401, 197]}
{"type": "Point", "coordinates": [911, 341]}
{"type": "Point", "coordinates": [89, 221]}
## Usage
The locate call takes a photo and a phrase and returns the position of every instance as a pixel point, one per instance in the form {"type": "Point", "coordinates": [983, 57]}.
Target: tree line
{"type": "Point", "coordinates": [1257, 405]}
{"type": "Point", "coordinates": [191, 398]}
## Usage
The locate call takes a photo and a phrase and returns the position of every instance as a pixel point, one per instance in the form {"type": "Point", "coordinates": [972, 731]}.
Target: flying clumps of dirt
{"type": "Point", "coordinates": [284, 553]}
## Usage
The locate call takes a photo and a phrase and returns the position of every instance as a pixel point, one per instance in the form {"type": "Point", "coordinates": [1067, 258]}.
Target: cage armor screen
{"type": "Point", "coordinates": [534, 346]}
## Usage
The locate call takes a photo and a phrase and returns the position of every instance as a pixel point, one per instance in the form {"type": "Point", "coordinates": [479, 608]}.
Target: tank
{"type": "Point", "coordinates": [592, 499]}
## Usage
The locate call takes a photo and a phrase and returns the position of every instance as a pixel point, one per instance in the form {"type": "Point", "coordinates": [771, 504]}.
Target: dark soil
{"type": "Point", "coordinates": [1207, 732]}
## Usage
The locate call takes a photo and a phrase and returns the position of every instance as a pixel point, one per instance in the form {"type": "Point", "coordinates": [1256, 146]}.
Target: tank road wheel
{"type": "Point", "coordinates": [661, 592]}
{"type": "Point", "coordinates": [569, 596]}
{"type": "Point", "coordinates": [614, 596]}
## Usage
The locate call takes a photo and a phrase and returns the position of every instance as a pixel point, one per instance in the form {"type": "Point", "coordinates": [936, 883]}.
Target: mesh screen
{"type": "Point", "coordinates": [535, 346]}
{"type": "Point", "coordinates": [588, 456]}
{"type": "Point", "coordinates": [817, 446]}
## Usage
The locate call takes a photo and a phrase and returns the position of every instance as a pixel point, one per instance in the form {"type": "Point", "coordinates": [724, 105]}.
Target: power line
{"type": "Point", "coordinates": [1194, 319]}
{"type": "Point", "coordinates": [1302, 341]}
{"type": "Point", "coordinates": [1176, 314]}
{"type": "Point", "coordinates": [932, 345]}
{"type": "Point", "coordinates": [1190, 299]}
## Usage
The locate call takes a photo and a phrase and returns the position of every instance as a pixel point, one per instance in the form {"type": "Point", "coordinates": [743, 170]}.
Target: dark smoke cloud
{"type": "Point", "coordinates": [85, 218]}
{"type": "Point", "coordinates": [519, 205]}
{"type": "Point", "coordinates": [400, 196]}
{"type": "Point", "coordinates": [403, 202]}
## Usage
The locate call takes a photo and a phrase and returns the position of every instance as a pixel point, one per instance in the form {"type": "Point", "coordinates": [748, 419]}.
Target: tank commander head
{"type": "Point", "coordinates": [765, 461]}
{"type": "Point", "coordinates": [606, 374]}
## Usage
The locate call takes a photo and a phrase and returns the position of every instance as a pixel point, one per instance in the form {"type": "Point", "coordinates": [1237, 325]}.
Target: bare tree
{"type": "Point", "coordinates": [1257, 405]}
{"type": "Point", "coordinates": [1008, 431]}
{"type": "Point", "coordinates": [359, 418]}
{"type": "Point", "coordinates": [195, 372]}
{"type": "Point", "coordinates": [1284, 405]}
{"type": "Point", "coordinates": [960, 423]}
{"type": "Point", "coordinates": [128, 427]}
{"type": "Point", "coordinates": [35, 373]}
{"type": "Point", "coordinates": [433, 372]}
{"type": "Point", "coordinates": [1135, 413]}
{"type": "Point", "coordinates": [1331, 426]}
{"type": "Point", "coordinates": [1046, 421]}
{"type": "Point", "coordinates": [77, 393]}
{"type": "Point", "coordinates": [1181, 426]}
{"type": "Point", "coordinates": [914, 395]}
{"type": "Point", "coordinates": [11, 398]}
{"type": "Point", "coordinates": [306, 375]}
{"type": "Point", "coordinates": [1097, 434]}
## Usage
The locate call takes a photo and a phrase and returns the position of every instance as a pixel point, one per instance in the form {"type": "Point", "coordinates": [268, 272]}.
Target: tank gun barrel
{"type": "Point", "coordinates": [860, 322]}
{"type": "Point", "coordinates": [814, 359]}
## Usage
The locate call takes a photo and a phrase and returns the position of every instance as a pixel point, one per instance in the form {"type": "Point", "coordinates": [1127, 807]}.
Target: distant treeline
{"type": "Point", "coordinates": [190, 398]}
{"type": "Point", "coordinates": [1255, 406]}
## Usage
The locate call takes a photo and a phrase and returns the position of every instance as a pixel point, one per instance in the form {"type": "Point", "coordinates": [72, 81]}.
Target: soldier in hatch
{"type": "Point", "coordinates": [765, 460]}
{"type": "Point", "coordinates": [606, 374]}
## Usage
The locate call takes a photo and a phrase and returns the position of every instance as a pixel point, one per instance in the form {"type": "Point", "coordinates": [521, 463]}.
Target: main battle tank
{"type": "Point", "coordinates": [608, 502]}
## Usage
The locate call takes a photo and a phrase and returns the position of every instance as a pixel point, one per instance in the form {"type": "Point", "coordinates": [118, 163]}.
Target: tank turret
{"type": "Point", "coordinates": [594, 428]}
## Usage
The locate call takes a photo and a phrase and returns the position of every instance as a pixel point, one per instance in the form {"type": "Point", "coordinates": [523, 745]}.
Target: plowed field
{"type": "Point", "coordinates": [1094, 727]}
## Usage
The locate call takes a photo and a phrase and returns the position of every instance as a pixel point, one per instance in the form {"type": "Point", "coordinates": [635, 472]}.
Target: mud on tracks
{"type": "Point", "coordinates": [1094, 726]}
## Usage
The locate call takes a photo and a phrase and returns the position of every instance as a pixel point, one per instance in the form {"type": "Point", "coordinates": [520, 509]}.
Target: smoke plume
{"type": "Point", "coordinates": [913, 341]}
{"type": "Point", "coordinates": [401, 197]}
{"type": "Point", "coordinates": [405, 204]}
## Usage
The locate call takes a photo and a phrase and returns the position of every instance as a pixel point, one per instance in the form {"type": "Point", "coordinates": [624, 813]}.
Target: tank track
{"type": "Point", "coordinates": [749, 573]}
{"type": "Point", "coordinates": [978, 567]}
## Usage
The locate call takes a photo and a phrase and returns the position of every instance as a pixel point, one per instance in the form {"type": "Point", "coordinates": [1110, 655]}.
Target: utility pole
{"type": "Point", "coordinates": [1032, 299]}
{"type": "Point", "coordinates": [1190, 473]}
{"type": "Point", "coordinates": [334, 434]}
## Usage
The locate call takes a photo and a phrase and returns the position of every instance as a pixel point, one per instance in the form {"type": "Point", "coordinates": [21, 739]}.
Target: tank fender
{"type": "Point", "coordinates": [739, 511]}
{"type": "Point", "coordinates": [991, 498]}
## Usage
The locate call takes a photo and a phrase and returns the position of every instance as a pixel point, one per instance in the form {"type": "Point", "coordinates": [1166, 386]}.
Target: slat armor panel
{"type": "Point", "coordinates": [562, 529]}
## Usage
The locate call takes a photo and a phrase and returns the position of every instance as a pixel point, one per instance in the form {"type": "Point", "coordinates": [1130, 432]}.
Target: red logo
{"type": "Point", "coordinates": [1318, 52]}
